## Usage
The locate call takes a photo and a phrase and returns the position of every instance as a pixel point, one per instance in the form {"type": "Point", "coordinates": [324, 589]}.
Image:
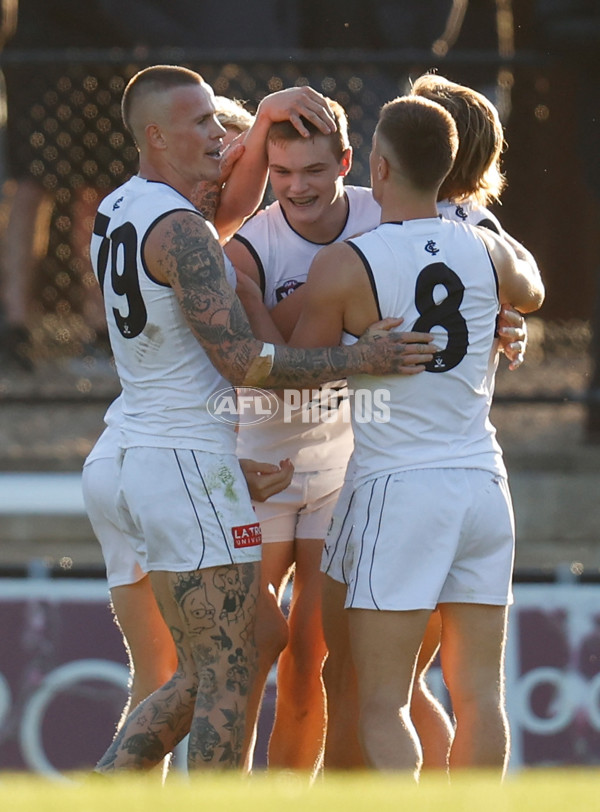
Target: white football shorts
{"type": "Point", "coordinates": [192, 508]}
{"type": "Point", "coordinates": [336, 561]}
{"type": "Point", "coordinates": [124, 562]}
{"type": "Point", "coordinates": [303, 509]}
{"type": "Point", "coordinates": [432, 536]}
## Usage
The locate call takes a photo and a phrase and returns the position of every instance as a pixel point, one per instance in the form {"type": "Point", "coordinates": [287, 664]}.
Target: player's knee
{"type": "Point", "coordinates": [420, 696]}
{"type": "Point", "coordinates": [145, 683]}
{"type": "Point", "coordinates": [481, 704]}
{"type": "Point", "coordinates": [381, 705]}
{"type": "Point", "coordinates": [332, 675]}
{"type": "Point", "coordinates": [306, 655]}
{"type": "Point", "coordinates": [271, 637]}
{"type": "Point", "coordinates": [150, 672]}
{"type": "Point", "coordinates": [338, 674]}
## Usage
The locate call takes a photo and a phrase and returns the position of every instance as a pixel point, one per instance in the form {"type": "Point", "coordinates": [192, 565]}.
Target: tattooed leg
{"type": "Point", "coordinates": [218, 608]}
{"type": "Point", "coordinates": [160, 722]}
{"type": "Point", "coordinates": [210, 614]}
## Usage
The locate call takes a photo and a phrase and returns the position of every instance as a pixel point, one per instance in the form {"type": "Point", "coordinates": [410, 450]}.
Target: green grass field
{"type": "Point", "coordinates": [548, 790]}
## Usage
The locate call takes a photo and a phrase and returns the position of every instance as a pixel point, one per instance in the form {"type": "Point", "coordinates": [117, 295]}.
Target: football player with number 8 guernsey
{"type": "Point", "coordinates": [431, 511]}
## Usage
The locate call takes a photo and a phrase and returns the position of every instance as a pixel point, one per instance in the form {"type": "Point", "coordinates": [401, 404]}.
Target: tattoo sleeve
{"type": "Point", "coordinates": [194, 266]}
{"type": "Point", "coordinates": [193, 263]}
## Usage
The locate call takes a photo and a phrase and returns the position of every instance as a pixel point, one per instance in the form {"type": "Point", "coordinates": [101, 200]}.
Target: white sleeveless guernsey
{"type": "Point", "coordinates": [470, 213]}
{"type": "Point", "coordinates": [283, 258]}
{"type": "Point", "coordinates": [167, 377]}
{"type": "Point", "coordinates": [439, 277]}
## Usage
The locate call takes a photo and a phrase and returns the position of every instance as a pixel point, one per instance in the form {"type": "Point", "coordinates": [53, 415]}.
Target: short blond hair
{"type": "Point", "coordinates": [232, 114]}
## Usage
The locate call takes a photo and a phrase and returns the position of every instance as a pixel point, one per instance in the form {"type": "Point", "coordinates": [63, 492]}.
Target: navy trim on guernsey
{"type": "Point", "coordinates": [494, 272]}
{"type": "Point", "coordinates": [147, 234]}
{"type": "Point", "coordinates": [329, 242]}
{"type": "Point", "coordinates": [485, 223]}
{"type": "Point", "coordinates": [255, 256]}
{"type": "Point", "coordinates": [101, 223]}
{"type": "Point", "coordinates": [497, 283]}
{"type": "Point", "coordinates": [369, 271]}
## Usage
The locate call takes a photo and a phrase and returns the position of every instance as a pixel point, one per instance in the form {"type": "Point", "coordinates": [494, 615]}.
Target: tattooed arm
{"type": "Point", "coordinates": [331, 303]}
{"type": "Point", "coordinates": [207, 194]}
{"type": "Point", "coordinates": [206, 198]}
{"type": "Point", "coordinates": [182, 252]}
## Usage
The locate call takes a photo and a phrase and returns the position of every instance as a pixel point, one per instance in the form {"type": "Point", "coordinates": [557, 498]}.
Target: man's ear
{"type": "Point", "coordinates": [154, 136]}
{"type": "Point", "coordinates": [346, 162]}
{"type": "Point", "coordinates": [383, 168]}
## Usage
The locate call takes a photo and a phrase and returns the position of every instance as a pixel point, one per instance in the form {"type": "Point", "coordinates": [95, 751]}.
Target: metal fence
{"type": "Point", "coordinates": [65, 111]}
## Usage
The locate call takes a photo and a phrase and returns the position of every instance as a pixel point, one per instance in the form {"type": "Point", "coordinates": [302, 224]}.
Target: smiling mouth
{"type": "Point", "coordinates": [303, 202]}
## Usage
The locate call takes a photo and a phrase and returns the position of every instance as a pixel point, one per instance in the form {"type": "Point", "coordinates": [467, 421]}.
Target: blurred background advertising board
{"type": "Point", "coordinates": [63, 675]}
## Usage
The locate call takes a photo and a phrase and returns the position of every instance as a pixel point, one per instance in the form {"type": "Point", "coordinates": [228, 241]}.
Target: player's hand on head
{"type": "Point", "coordinates": [512, 332]}
{"type": "Point", "coordinates": [295, 103]}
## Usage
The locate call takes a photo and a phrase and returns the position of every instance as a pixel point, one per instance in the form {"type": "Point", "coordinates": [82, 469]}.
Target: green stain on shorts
{"type": "Point", "coordinates": [225, 479]}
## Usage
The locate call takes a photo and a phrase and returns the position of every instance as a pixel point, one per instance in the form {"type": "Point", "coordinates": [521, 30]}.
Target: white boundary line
{"type": "Point", "coordinates": [41, 493]}
{"type": "Point", "coordinates": [90, 590]}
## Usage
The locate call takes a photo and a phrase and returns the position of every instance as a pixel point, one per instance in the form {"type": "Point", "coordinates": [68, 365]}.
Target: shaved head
{"type": "Point", "coordinates": [146, 97]}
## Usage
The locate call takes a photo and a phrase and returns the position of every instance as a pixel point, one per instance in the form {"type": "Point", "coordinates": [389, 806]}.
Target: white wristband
{"type": "Point", "coordinates": [268, 351]}
{"type": "Point", "coordinates": [260, 369]}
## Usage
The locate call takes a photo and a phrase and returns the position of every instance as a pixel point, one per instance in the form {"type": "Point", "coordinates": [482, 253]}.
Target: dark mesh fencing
{"type": "Point", "coordinates": [65, 133]}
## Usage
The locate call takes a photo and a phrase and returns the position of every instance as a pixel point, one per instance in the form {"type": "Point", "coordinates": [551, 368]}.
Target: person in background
{"type": "Point", "coordinates": [28, 185]}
